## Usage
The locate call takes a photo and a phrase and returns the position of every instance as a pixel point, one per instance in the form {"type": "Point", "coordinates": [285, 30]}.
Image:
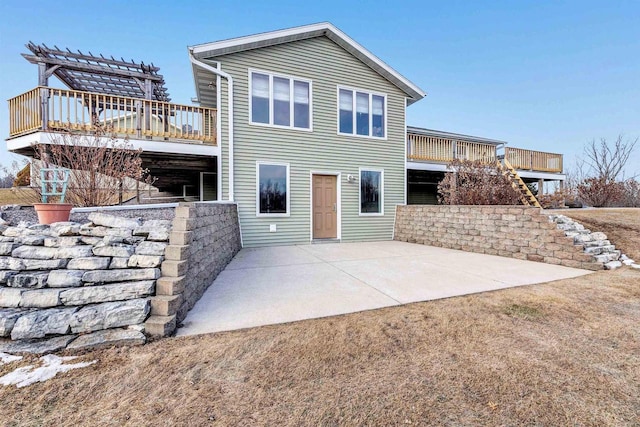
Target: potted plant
{"type": "Point", "coordinates": [53, 183]}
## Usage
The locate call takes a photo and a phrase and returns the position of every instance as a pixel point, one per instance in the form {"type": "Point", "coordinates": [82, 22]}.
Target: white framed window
{"type": "Point", "coordinates": [362, 113]}
{"type": "Point", "coordinates": [272, 189]}
{"type": "Point", "coordinates": [279, 100]}
{"type": "Point", "coordinates": [371, 192]}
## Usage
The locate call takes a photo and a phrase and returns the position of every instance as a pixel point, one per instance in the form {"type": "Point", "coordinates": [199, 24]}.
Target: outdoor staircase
{"type": "Point", "coordinates": [595, 244]}
{"type": "Point", "coordinates": [526, 196]}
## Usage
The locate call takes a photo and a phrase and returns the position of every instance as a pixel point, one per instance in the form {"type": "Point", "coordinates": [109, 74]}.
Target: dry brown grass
{"type": "Point", "coordinates": [18, 196]}
{"type": "Point", "coordinates": [562, 353]}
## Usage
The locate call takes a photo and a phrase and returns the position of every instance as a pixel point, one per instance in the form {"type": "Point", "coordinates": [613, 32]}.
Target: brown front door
{"type": "Point", "coordinates": [325, 208]}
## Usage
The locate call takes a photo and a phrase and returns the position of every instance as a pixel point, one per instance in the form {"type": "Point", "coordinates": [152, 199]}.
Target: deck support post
{"type": "Point", "coordinates": [148, 94]}
{"type": "Point", "coordinates": [540, 187]}
{"type": "Point", "coordinates": [138, 119]}
{"type": "Point", "coordinates": [43, 82]}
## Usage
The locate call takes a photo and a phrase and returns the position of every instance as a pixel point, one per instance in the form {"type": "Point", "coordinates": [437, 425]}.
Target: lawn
{"type": "Point", "coordinates": [17, 196]}
{"type": "Point", "coordinates": [561, 353]}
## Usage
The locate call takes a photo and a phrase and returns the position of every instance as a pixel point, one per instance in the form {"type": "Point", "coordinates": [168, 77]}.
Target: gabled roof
{"type": "Point", "coordinates": [450, 135]}
{"type": "Point", "coordinates": [225, 47]}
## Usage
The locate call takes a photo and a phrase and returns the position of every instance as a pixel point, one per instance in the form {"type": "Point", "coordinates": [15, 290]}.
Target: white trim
{"type": "Point", "coordinates": [288, 183]}
{"type": "Point", "coordinates": [371, 93]}
{"type": "Point", "coordinates": [230, 125]}
{"type": "Point", "coordinates": [306, 31]}
{"type": "Point", "coordinates": [406, 141]}
{"type": "Point", "coordinates": [542, 175]}
{"type": "Point", "coordinates": [219, 132]}
{"type": "Point", "coordinates": [125, 207]}
{"type": "Point", "coordinates": [338, 176]}
{"type": "Point", "coordinates": [425, 166]}
{"type": "Point", "coordinates": [292, 79]}
{"type": "Point", "coordinates": [146, 145]}
{"type": "Point", "coordinates": [367, 169]}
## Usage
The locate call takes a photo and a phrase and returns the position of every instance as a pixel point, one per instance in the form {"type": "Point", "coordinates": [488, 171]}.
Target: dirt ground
{"type": "Point", "coordinates": [556, 354]}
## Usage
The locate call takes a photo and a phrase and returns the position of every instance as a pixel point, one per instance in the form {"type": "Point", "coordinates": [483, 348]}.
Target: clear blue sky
{"type": "Point", "coordinates": [542, 75]}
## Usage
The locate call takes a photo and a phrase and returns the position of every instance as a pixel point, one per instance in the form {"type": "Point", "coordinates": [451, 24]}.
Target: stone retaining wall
{"type": "Point", "coordinates": [512, 231]}
{"type": "Point", "coordinates": [205, 236]}
{"type": "Point", "coordinates": [76, 286]}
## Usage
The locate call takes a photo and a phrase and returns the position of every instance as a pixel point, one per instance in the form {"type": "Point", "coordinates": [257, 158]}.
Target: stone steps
{"type": "Point", "coordinates": [594, 244]}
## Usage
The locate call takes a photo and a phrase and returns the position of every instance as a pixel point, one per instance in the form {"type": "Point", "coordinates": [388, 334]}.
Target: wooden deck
{"type": "Point", "coordinates": [49, 109]}
{"type": "Point", "coordinates": [434, 149]}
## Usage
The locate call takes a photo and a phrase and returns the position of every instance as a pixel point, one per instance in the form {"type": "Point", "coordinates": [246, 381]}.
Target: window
{"type": "Point", "coordinates": [361, 113]}
{"type": "Point", "coordinates": [280, 101]}
{"type": "Point", "coordinates": [272, 196]}
{"type": "Point", "coordinates": [371, 192]}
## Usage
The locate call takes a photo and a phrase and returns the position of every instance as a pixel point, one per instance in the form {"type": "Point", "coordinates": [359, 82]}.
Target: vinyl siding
{"type": "Point", "coordinates": [327, 65]}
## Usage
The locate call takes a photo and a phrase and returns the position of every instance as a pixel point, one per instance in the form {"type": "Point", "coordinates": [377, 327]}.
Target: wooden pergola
{"type": "Point", "coordinates": [98, 74]}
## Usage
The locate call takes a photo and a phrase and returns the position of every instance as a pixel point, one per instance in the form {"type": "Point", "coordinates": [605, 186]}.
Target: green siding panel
{"type": "Point", "coordinates": [327, 65]}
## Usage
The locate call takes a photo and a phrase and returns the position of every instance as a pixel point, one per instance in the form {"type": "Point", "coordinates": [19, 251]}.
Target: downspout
{"type": "Point", "coordinates": [229, 79]}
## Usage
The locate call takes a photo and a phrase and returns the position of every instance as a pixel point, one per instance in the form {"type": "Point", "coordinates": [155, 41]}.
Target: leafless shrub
{"type": "Point", "coordinates": [102, 166]}
{"type": "Point", "coordinates": [476, 183]}
{"type": "Point", "coordinates": [631, 193]}
{"type": "Point", "coordinates": [597, 178]}
{"type": "Point", "coordinates": [553, 200]}
{"type": "Point", "coordinates": [600, 192]}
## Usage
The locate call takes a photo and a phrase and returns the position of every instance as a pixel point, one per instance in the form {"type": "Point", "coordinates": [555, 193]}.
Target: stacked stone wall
{"type": "Point", "coordinates": [78, 285]}
{"type": "Point", "coordinates": [511, 231]}
{"type": "Point", "coordinates": [205, 236]}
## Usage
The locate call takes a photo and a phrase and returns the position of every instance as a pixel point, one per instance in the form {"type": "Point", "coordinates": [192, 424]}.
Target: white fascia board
{"type": "Point", "coordinates": [541, 175]}
{"type": "Point", "coordinates": [144, 144]}
{"type": "Point", "coordinates": [423, 166]}
{"type": "Point", "coordinates": [298, 33]}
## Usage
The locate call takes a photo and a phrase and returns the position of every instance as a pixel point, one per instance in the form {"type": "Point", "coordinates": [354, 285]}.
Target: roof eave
{"type": "Point", "coordinates": [223, 47]}
{"type": "Point", "coordinates": [442, 134]}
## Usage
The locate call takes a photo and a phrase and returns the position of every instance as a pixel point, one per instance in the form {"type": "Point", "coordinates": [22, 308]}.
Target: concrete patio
{"type": "Point", "coordinates": [270, 285]}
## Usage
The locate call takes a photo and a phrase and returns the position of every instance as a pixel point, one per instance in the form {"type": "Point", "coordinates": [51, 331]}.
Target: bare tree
{"type": "Point", "coordinates": [476, 183]}
{"type": "Point", "coordinates": [598, 181]}
{"type": "Point", "coordinates": [605, 161]}
{"type": "Point", "coordinates": [102, 166]}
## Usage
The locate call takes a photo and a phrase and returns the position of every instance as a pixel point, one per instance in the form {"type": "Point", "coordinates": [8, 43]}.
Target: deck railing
{"type": "Point", "coordinates": [52, 109]}
{"type": "Point", "coordinates": [533, 160]}
{"type": "Point", "coordinates": [444, 150]}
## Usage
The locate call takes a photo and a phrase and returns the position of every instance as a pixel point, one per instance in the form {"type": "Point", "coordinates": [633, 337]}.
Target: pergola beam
{"type": "Point", "coordinates": [90, 68]}
{"type": "Point", "coordinates": [98, 74]}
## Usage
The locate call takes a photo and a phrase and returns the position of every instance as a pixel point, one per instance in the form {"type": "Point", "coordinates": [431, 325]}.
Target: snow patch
{"type": "Point", "coordinates": [51, 366]}
{"type": "Point", "coordinates": [8, 358]}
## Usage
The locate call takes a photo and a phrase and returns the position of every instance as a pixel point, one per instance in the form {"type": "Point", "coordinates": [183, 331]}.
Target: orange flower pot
{"type": "Point", "coordinates": [48, 213]}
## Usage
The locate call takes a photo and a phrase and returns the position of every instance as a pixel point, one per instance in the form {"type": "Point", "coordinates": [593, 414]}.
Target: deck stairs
{"type": "Point", "coordinates": [526, 196]}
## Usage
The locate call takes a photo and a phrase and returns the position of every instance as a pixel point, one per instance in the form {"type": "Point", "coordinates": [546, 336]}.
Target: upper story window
{"type": "Point", "coordinates": [280, 101]}
{"type": "Point", "coordinates": [362, 113]}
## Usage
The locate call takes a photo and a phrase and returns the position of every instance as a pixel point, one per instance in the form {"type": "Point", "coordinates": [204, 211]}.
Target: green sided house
{"type": "Point", "coordinates": [303, 128]}
{"type": "Point", "coordinates": [316, 150]}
